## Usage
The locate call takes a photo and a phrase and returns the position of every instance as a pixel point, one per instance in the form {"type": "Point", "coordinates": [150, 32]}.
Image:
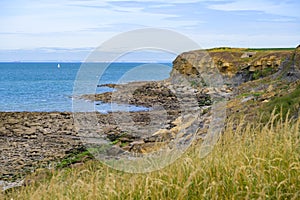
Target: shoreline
{"type": "Point", "coordinates": [30, 140]}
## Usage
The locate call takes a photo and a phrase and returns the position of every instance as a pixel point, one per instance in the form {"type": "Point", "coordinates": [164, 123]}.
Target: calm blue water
{"type": "Point", "coordinates": [45, 87]}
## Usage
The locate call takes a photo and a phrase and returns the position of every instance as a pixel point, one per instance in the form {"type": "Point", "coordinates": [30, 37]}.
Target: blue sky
{"type": "Point", "coordinates": [68, 30]}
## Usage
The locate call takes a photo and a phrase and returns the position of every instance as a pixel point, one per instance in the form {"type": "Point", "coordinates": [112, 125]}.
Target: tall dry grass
{"type": "Point", "coordinates": [251, 161]}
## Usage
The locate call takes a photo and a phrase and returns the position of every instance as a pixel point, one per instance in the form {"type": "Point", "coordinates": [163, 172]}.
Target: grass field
{"type": "Point", "coordinates": [232, 49]}
{"type": "Point", "coordinates": [271, 49]}
{"type": "Point", "coordinates": [251, 161]}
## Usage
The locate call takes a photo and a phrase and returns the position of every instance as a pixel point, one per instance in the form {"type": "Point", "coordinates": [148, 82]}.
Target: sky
{"type": "Point", "coordinates": [69, 30]}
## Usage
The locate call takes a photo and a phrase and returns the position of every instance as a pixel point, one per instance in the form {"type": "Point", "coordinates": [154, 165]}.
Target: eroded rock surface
{"type": "Point", "coordinates": [29, 140]}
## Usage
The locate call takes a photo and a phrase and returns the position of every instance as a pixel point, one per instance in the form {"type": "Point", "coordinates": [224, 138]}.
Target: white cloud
{"type": "Point", "coordinates": [88, 23]}
{"type": "Point", "coordinates": [246, 40]}
{"type": "Point", "coordinates": [160, 1]}
{"type": "Point", "coordinates": [284, 8]}
{"type": "Point", "coordinates": [63, 24]}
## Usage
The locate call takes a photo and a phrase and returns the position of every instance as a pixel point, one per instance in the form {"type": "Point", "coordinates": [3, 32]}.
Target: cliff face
{"type": "Point", "coordinates": [291, 67]}
{"type": "Point", "coordinates": [235, 65]}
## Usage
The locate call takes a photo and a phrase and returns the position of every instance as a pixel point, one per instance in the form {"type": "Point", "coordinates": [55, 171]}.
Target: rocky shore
{"type": "Point", "coordinates": [30, 140]}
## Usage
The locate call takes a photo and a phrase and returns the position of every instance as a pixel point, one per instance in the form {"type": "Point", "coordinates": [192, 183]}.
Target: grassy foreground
{"type": "Point", "coordinates": [252, 161]}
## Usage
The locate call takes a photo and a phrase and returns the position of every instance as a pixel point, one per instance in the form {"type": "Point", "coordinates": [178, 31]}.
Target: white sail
{"type": "Point", "coordinates": [58, 65]}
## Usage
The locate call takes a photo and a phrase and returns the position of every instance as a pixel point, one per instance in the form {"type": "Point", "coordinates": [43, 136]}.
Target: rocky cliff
{"type": "Point", "coordinates": [236, 65]}
{"type": "Point", "coordinates": [261, 79]}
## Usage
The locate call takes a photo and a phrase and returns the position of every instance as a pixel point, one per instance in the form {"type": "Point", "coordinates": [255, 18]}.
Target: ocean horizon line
{"type": "Point", "coordinates": [163, 61]}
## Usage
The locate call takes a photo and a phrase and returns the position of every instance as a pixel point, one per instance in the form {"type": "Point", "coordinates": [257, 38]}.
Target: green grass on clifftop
{"type": "Point", "coordinates": [232, 49]}
{"type": "Point", "coordinates": [270, 49]}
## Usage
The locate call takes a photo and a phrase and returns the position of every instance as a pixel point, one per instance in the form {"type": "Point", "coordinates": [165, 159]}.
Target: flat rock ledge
{"type": "Point", "coordinates": [32, 139]}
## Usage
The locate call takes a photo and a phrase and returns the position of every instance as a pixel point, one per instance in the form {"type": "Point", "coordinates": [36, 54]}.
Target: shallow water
{"type": "Point", "coordinates": [45, 87]}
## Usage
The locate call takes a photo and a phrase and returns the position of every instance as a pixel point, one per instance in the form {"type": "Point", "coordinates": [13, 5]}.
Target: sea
{"type": "Point", "coordinates": [49, 86]}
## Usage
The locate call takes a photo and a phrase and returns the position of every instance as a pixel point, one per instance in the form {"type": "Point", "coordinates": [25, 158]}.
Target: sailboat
{"type": "Point", "coordinates": [58, 65]}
